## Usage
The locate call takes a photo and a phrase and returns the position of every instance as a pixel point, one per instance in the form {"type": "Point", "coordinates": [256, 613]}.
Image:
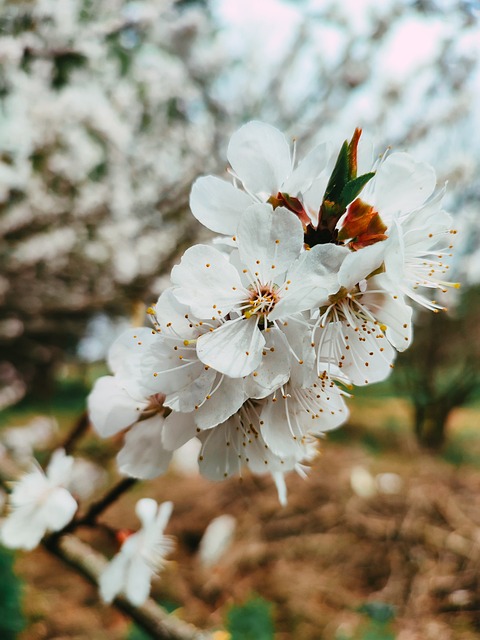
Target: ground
{"type": "Point", "coordinates": [342, 561]}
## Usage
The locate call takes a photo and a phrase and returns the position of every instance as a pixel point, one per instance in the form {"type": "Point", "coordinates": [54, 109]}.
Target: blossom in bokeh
{"type": "Point", "coordinates": [141, 556]}
{"type": "Point", "coordinates": [39, 503]}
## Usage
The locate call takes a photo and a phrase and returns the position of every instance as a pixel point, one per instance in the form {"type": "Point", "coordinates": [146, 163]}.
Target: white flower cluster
{"type": "Point", "coordinates": [42, 502]}
{"type": "Point", "coordinates": [306, 293]}
{"type": "Point", "coordinates": [39, 503]}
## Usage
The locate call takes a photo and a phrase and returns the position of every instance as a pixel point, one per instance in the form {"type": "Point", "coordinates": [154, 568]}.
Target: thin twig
{"type": "Point", "coordinates": [96, 508]}
{"type": "Point", "coordinates": [150, 616]}
{"type": "Point", "coordinates": [79, 428]}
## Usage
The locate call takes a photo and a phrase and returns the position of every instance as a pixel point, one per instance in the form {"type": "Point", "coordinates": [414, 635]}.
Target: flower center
{"type": "Point", "coordinates": [262, 300]}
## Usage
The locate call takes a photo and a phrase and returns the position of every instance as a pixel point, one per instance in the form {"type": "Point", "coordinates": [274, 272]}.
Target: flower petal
{"type": "Point", "coordinates": [402, 185]}
{"type": "Point", "coordinates": [60, 467]}
{"type": "Point", "coordinates": [235, 348]}
{"type": "Point", "coordinates": [143, 455]}
{"type": "Point", "coordinates": [111, 408]}
{"type": "Point", "coordinates": [23, 528]}
{"type": "Point", "coordinates": [194, 394]}
{"type": "Point", "coordinates": [281, 428]}
{"type": "Point", "coordinates": [59, 509]}
{"type": "Point", "coordinates": [391, 311]}
{"type": "Point", "coordinates": [362, 352]}
{"type": "Point", "coordinates": [137, 581]}
{"type": "Point", "coordinates": [220, 456]}
{"type": "Point", "coordinates": [217, 204]}
{"type": "Point", "coordinates": [226, 400]}
{"type": "Point", "coordinates": [207, 282]}
{"type": "Point", "coordinates": [360, 264]}
{"type": "Point", "coordinates": [125, 353]}
{"type": "Point", "coordinates": [274, 368]}
{"type": "Point", "coordinates": [308, 170]}
{"type": "Point", "coordinates": [260, 156]}
{"type": "Point", "coordinates": [269, 241]}
{"type": "Point", "coordinates": [112, 579]}
{"type": "Point", "coordinates": [311, 279]}
{"type": "Point", "coordinates": [178, 429]}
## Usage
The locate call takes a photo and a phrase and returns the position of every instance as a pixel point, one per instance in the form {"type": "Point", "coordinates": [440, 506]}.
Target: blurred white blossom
{"type": "Point", "coordinates": [39, 503]}
{"type": "Point", "coordinates": [141, 556]}
{"type": "Point", "coordinates": [216, 539]}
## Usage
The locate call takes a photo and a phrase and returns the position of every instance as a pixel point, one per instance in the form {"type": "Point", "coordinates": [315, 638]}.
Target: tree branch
{"type": "Point", "coordinates": [149, 616]}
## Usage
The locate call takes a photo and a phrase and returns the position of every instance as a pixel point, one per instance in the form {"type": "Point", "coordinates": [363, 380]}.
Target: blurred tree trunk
{"type": "Point", "coordinates": [430, 424]}
{"type": "Point", "coordinates": [441, 371]}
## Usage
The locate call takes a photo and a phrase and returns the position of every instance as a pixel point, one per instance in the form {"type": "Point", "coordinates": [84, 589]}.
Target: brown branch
{"type": "Point", "coordinates": [149, 616]}
{"type": "Point", "coordinates": [109, 498]}
{"type": "Point", "coordinates": [79, 428]}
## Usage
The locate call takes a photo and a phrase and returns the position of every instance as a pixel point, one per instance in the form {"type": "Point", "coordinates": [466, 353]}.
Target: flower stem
{"type": "Point", "coordinates": [96, 508]}
{"type": "Point", "coordinates": [80, 426]}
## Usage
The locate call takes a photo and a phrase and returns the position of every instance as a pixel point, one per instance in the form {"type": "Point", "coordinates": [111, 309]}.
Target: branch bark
{"type": "Point", "coordinates": [149, 616]}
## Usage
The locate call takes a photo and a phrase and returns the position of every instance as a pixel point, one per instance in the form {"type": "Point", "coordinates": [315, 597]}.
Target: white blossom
{"type": "Point", "coordinates": [141, 556]}
{"type": "Point", "coordinates": [39, 503]}
{"type": "Point", "coordinates": [261, 161]}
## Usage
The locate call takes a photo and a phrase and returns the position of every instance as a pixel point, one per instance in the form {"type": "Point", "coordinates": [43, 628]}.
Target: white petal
{"type": "Point", "coordinates": [207, 282]}
{"type": "Point", "coordinates": [279, 479]}
{"type": "Point", "coordinates": [111, 408]}
{"type": "Point", "coordinates": [218, 204]}
{"type": "Point", "coordinates": [269, 241]}
{"type": "Point", "coordinates": [216, 539]}
{"type": "Point", "coordinates": [146, 510]}
{"type": "Point", "coordinates": [193, 394]}
{"type": "Point", "coordinates": [163, 516]}
{"type": "Point", "coordinates": [402, 185]}
{"type": "Point", "coordinates": [112, 580]}
{"type": "Point", "coordinates": [298, 332]}
{"type": "Point", "coordinates": [274, 368]}
{"type": "Point", "coordinates": [234, 349]}
{"type": "Point", "coordinates": [23, 528]}
{"type": "Point", "coordinates": [362, 352]}
{"type": "Point", "coordinates": [138, 579]}
{"type": "Point", "coordinates": [323, 405]}
{"type": "Point", "coordinates": [234, 444]}
{"type": "Point", "coordinates": [173, 317]}
{"type": "Point", "coordinates": [312, 278]}
{"type": "Point", "coordinates": [281, 429]}
{"type": "Point", "coordinates": [60, 468]}
{"type": "Point", "coordinates": [125, 353]}
{"type": "Point", "coordinates": [169, 366]}
{"type": "Point", "coordinates": [360, 264]}
{"type": "Point", "coordinates": [307, 171]}
{"type": "Point", "coordinates": [391, 311]}
{"type": "Point", "coordinates": [178, 429]}
{"type": "Point", "coordinates": [395, 255]}
{"type": "Point", "coordinates": [59, 509]}
{"type": "Point", "coordinates": [260, 157]}
{"type": "Point", "coordinates": [143, 455]}
{"type": "Point", "coordinates": [226, 400]}
{"type": "Point", "coordinates": [219, 456]}
{"type": "Point", "coordinates": [313, 198]}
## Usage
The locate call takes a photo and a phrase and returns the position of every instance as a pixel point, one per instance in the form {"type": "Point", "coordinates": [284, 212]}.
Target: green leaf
{"type": "Point", "coordinates": [339, 176]}
{"type": "Point", "coordinates": [353, 188]}
{"type": "Point", "coordinates": [251, 621]}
